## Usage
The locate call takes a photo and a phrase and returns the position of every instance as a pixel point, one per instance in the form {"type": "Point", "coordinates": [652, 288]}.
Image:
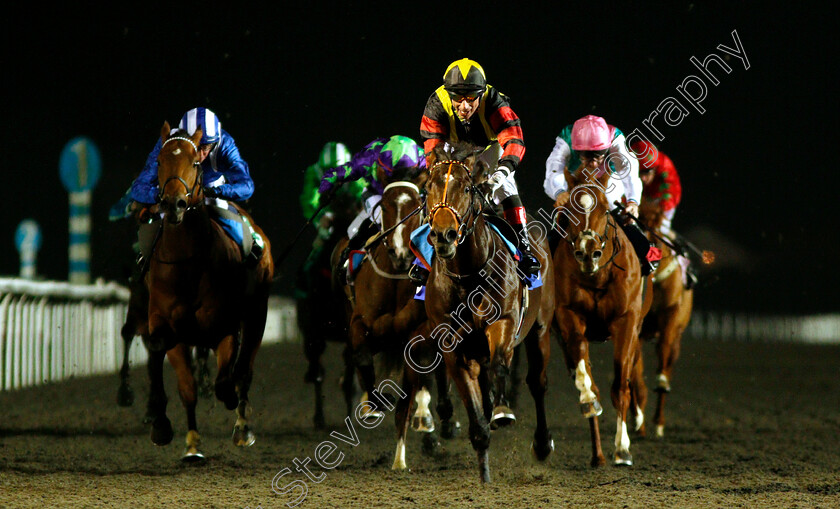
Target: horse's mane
{"type": "Point", "coordinates": [462, 151]}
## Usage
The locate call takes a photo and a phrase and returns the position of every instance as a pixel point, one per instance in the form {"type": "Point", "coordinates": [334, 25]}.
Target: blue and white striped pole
{"type": "Point", "coordinates": [28, 242]}
{"type": "Point", "coordinates": [79, 250]}
{"type": "Point", "coordinates": [79, 169]}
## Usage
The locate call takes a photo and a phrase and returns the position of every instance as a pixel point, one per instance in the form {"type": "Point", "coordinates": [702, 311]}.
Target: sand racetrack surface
{"type": "Point", "coordinates": [749, 425]}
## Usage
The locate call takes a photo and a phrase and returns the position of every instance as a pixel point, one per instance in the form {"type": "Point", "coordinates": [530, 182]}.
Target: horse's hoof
{"type": "Point", "coordinates": [450, 429]}
{"type": "Point", "coordinates": [623, 459]}
{"type": "Point", "coordinates": [660, 430]}
{"type": "Point", "coordinates": [431, 445]}
{"type": "Point", "coordinates": [502, 416]}
{"type": "Point", "coordinates": [373, 417]}
{"type": "Point", "coordinates": [424, 424]}
{"type": "Point", "coordinates": [542, 451]}
{"type": "Point", "coordinates": [319, 422]}
{"type": "Point", "coordinates": [125, 395]}
{"type": "Point", "coordinates": [193, 458]}
{"type": "Point", "coordinates": [149, 417]}
{"type": "Point", "coordinates": [162, 432]}
{"type": "Point", "coordinates": [243, 437]}
{"type": "Point", "coordinates": [593, 409]}
{"type": "Point", "coordinates": [663, 385]}
{"type": "Point", "coordinates": [598, 461]}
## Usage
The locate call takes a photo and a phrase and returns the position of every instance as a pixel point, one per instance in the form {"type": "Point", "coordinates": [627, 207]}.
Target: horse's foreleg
{"type": "Point", "coordinates": [537, 347]}
{"type": "Point", "coordinates": [363, 359]}
{"type": "Point", "coordinates": [205, 385]}
{"type": "Point", "coordinates": [668, 350]}
{"type": "Point", "coordinates": [253, 328]}
{"type": "Point", "coordinates": [576, 349]}
{"type": "Point", "coordinates": [125, 394]}
{"type": "Point", "coordinates": [638, 392]}
{"type": "Point", "coordinates": [410, 381]}
{"type": "Point", "coordinates": [450, 427]}
{"type": "Point", "coordinates": [624, 332]}
{"type": "Point", "coordinates": [225, 385]}
{"type": "Point", "coordinates": [161, 433]}
{"type": "Point", "coordinates": [180, 358]}
{"type": "Point", "coordinates": [500, 336]}
{"type": "Point", "coordinates": [466, 375]}
{"type": "Point", "coordinates": [313, 348]}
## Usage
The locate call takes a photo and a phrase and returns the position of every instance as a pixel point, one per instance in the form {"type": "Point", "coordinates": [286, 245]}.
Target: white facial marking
{"type": "Point", "coordinates": [176, 151]}
{"type": "Point", "coordinates": [584, 383]}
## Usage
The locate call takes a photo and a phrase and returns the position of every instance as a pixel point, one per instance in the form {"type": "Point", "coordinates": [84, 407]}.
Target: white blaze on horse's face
{"type": "Point", "coordinates": [588, 247]}
{"type": "Point", "coordinates": [400, 247]}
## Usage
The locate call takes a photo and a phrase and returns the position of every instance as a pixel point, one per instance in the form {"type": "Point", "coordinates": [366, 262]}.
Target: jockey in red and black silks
{"type": "Point", "coordinates": [465, 108]}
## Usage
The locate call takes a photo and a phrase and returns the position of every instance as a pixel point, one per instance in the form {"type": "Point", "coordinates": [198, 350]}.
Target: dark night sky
{"type": "Point", "coordinates": [285, 81]}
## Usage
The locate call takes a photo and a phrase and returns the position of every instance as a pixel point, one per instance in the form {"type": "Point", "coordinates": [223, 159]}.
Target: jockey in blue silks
{"type": "Point", "coordinates": [226, 176]}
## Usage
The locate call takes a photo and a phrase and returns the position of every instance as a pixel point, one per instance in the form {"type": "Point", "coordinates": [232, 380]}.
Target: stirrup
{"type": "Point", "coordinates": [418, 275]}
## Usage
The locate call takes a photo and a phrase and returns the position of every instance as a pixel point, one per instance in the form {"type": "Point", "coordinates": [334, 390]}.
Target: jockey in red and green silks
{"type": "Point", "coordinates": [399, 158]}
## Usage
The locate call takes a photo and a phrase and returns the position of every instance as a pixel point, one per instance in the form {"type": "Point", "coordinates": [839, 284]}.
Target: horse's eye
{"type": "Point", "coordinates": [467, 190]}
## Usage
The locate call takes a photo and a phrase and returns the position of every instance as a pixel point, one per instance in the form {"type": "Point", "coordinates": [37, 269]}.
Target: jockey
{"type": "Point", "coordinates": [466, 108]}
{"type": "Point", "coordinates": [662, 186]}
{"type": "Point", "coordinates": [226, 175]}
{"type": "Point", "coordinates": [592, 144]}
{"type": "Point", "coordinates": [381, 160]}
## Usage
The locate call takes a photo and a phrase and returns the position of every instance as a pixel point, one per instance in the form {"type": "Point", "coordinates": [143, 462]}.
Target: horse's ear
{"type": "Point", "coordinates": [196, 137]}
{"type": "Point", "coordinates": [420, 179]}
{"type": "Point", "coordinates": [164, 131]}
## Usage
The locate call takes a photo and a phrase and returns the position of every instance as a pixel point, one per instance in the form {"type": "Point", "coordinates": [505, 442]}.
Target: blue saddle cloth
{"type": "Point", "coordinates": [425, 254]}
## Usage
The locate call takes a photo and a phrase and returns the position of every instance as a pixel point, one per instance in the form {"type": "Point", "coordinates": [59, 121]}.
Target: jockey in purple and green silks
{"type": "Point", "coordinates": [398, 158]}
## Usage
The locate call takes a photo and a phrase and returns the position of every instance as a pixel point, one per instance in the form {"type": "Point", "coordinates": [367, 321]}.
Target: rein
{"type": "Point", "coordinates": [384, 233]}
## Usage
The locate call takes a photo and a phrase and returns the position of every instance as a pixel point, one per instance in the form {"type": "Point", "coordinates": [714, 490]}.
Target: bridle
{"type": "Point", "coordinates": [463, 229]}
{"type": "Point", "coordinates": [588, 233]}
{"type": "Point", "coordinates": [191, 190]}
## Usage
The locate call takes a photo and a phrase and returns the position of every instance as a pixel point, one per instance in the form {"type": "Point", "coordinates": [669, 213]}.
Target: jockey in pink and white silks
{"type": "Point", "coordinates": [594, 146]}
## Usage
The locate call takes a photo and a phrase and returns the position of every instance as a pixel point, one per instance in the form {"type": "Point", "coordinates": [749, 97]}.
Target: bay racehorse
{"type": "Point", "coordinates": [321, 315]}
{"type": "Point", "coordinates": [200, 294]}
{"type": "Point", "coordinates": [670, 312]}
{"type": "Point", "coordinates": [478, 307]}
{"type": "Point", "coordinates": [600, 295]}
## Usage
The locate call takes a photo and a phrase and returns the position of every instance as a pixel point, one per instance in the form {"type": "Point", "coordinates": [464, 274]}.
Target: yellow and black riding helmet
{"type": "Point", "coordinates": [464, 77]}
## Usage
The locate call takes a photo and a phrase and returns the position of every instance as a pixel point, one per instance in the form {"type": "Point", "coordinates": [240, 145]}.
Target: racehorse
{"type": "Point", "coordinates": [601, 295]}
{"type": "Point", "coordinates": [476, 303]}
{"type": "Point", "coordinates": [200, 294]}
{"type": "Point", "coordinates": [384, 315]}
{"type": "Point", "coordinates": [321, 315]}
{"type": "Point", "coordinates": [670, 312]}
{"type": "Point", "coordinates": [136, 324]}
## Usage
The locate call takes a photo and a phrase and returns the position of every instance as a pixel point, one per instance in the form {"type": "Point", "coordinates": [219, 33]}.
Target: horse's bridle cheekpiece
{"type": "Point", "coordinates": [199, 174]}
{"type": "Point", "coordinates": [443, 204]}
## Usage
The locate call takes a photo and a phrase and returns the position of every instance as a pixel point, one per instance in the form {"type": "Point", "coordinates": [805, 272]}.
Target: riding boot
{"type": "Point", "coordinates": [649, 255]}
{"type": "Point", "coordinates": [691, 277]}
{"type": "Point", "coordinates": [515, 216]}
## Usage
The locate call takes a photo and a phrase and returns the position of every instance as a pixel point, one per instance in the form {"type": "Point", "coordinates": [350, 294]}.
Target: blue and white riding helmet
{"type": "Point", "coordinates": [207, 120]}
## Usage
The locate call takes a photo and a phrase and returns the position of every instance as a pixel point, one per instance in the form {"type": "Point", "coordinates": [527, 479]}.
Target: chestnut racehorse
{"type": "Point", "coordinates": [477, 304]}
{"type": "Point", "coordinates": [670, 313]}
{"type": "Point", "coordinates": [384, 316]}
{"type": "Point", "coordinates": [201, 294]}
{"type": "Point", "coordinates": [600, 296]}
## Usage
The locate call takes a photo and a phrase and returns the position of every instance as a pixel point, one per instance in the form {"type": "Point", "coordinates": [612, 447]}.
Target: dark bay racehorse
{"type": "Point", "coordinates": [478, 308]}
{"type": "Point", "coordinates": [200, 294]}
{"type": "Point", "coordinates": [600, 295]}
{"type": "Point", "coordinates": [321, 315]}
{"type": "Point", "coordinates": [669, 314]}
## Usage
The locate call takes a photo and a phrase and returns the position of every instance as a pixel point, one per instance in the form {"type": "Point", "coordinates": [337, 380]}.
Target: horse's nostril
{"type": "Point", "coordinates": [433, 234]}
{"type": "Point", "coordinates": [596, 255]}
{"type": "Point", "coordinates": [451, 235]}
{"type": "Point", "coordinates": [181, 204]}
{"type": "Point", "coordinates": [579, 254]}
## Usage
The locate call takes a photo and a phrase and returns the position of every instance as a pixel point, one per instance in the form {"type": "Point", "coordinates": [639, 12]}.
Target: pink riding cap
{"type": "Point", "coordinates": [591, 133]}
